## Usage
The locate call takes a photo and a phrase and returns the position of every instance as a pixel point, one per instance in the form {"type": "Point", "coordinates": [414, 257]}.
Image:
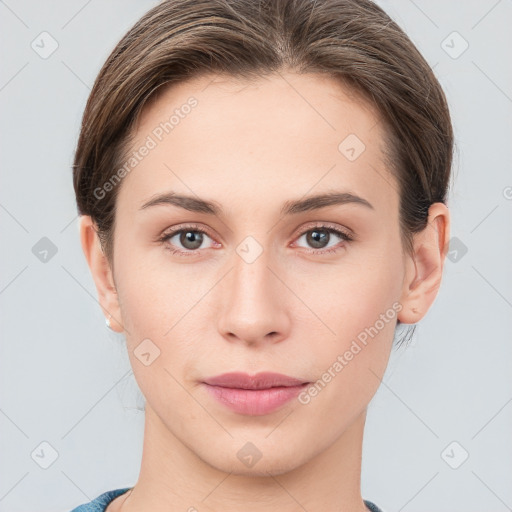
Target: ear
{"type": "Point", "coordinates": [101, 272]}
{"type": "Point", "coordinates": [425, 269]}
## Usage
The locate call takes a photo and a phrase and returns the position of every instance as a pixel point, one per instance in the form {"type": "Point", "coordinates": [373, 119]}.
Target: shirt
{"type": "Point", "coordinates": [103, 500]}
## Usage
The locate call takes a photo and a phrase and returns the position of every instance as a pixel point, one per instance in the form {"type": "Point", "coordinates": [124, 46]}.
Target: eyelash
{"type": "Point", "coordinates": [346, 237]}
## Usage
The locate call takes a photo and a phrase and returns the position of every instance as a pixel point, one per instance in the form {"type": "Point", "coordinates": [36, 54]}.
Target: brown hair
{"type": "Point", "coordinates": [353, 41]}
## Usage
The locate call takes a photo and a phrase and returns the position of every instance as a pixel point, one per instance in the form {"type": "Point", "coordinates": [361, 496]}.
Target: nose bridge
{"type": "Point", "coordinates": [254, 309]}
{"type": "Point", "coordinates": [251, 274]}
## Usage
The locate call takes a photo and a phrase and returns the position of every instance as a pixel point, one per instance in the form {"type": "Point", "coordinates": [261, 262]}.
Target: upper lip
{"type": "Point", "coordinates": [262, 380]}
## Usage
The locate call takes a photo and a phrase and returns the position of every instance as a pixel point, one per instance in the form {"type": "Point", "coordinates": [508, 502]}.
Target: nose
{"type": "Point", "coordinates": [255, 309]}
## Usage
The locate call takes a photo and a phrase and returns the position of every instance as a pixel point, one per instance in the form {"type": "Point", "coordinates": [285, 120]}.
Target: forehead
{"type": "Point", "coordinates": [283, 133]}
{"type": "Point", "coordinates": [299, 104]}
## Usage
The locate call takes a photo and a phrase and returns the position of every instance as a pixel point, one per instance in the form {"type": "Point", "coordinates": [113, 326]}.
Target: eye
{"type": "Point", "coordinates": [188, 239]}
{"type": "Point", "coordinates": [320, 236]}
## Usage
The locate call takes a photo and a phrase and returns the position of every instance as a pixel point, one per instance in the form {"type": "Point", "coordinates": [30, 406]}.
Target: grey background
{"type": "Point", "coordinates": [66, 380]}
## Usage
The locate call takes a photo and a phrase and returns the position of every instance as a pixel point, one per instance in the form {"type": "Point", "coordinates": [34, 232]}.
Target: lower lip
{"type": "Point", "coordinates": [254, 402]}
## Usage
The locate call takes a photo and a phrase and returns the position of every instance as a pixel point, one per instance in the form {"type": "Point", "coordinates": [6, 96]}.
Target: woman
{"type": "Point", "coordinates": [262, 189]}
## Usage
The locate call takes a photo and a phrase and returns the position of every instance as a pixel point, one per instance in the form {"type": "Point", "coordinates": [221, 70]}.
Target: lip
{"type": "Point", "coordinates": [263, 380]}
{"type": "Point", "coordinates": [254, 395]}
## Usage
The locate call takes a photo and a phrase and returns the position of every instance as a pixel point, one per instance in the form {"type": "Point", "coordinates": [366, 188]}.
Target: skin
{"type": "Point", "coordinates": [250, 147]}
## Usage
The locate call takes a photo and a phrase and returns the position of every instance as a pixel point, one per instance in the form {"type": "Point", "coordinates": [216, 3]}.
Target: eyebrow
{"type": "Point", "coordinates": [315, 202]}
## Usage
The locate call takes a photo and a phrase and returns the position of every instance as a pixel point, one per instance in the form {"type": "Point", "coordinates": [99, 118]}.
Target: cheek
{"type": "Point", "coordinates": [161, 302]}
{"type": "Point", "coordinates": [353, 295]}
{"type": "Point", "coordinates": [156, 313]}
{"type": "Point", "coordinates": [359, 303]}
{"type": "Point", "coordinates": [359, 309]}
{"type": "Point", "coordinates": [154, 291]}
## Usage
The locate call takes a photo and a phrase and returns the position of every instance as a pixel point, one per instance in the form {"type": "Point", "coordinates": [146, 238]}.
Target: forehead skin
{"type": "Point", "coordinates": [251, 146]}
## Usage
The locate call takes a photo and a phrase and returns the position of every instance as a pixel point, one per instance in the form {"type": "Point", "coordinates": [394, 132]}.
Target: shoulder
{"type": "Point", "coordinates": [100, 503]}
{"type": "Point", "coordinates": [372, 507]}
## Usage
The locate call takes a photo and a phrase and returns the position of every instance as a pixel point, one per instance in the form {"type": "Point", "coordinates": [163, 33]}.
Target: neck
{"type": "Point", "coordinates": [173, 478]}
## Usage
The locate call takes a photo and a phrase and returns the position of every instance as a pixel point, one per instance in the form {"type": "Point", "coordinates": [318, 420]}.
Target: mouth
{"type": "Point", "coordinates": [255, 395]}
{"type": "Point", "coordinates": [263, 380]}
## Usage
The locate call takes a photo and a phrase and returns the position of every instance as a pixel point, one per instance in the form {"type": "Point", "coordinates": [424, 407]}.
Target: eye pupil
{"type": "Point", "coordinates": [317, 236]}
{"type": "Point", "coordinates": [193, 237]}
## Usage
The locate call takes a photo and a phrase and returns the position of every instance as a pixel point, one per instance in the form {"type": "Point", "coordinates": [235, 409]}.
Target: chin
{"type": "Point", "coordinates": [255, 458]}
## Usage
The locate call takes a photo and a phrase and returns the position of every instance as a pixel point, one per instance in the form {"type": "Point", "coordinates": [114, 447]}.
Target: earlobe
{"type": "Point", "coordinates": [425, 269]}
{"type": "Point", "coordinates": [101, 272]}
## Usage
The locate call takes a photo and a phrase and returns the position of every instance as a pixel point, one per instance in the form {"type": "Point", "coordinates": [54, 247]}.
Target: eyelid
{"type": "Point", "coordinates": [347, 235]}
{"type": "Point", "coordinates": [183, 227]}
{"type": "Point", "coordinates": [327, 226]}
{"type": "Point", "coordinates": [303, 229]}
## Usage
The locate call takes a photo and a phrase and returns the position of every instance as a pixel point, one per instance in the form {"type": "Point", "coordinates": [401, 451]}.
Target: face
{"type": "Point", "coordinates": [250, 273]}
